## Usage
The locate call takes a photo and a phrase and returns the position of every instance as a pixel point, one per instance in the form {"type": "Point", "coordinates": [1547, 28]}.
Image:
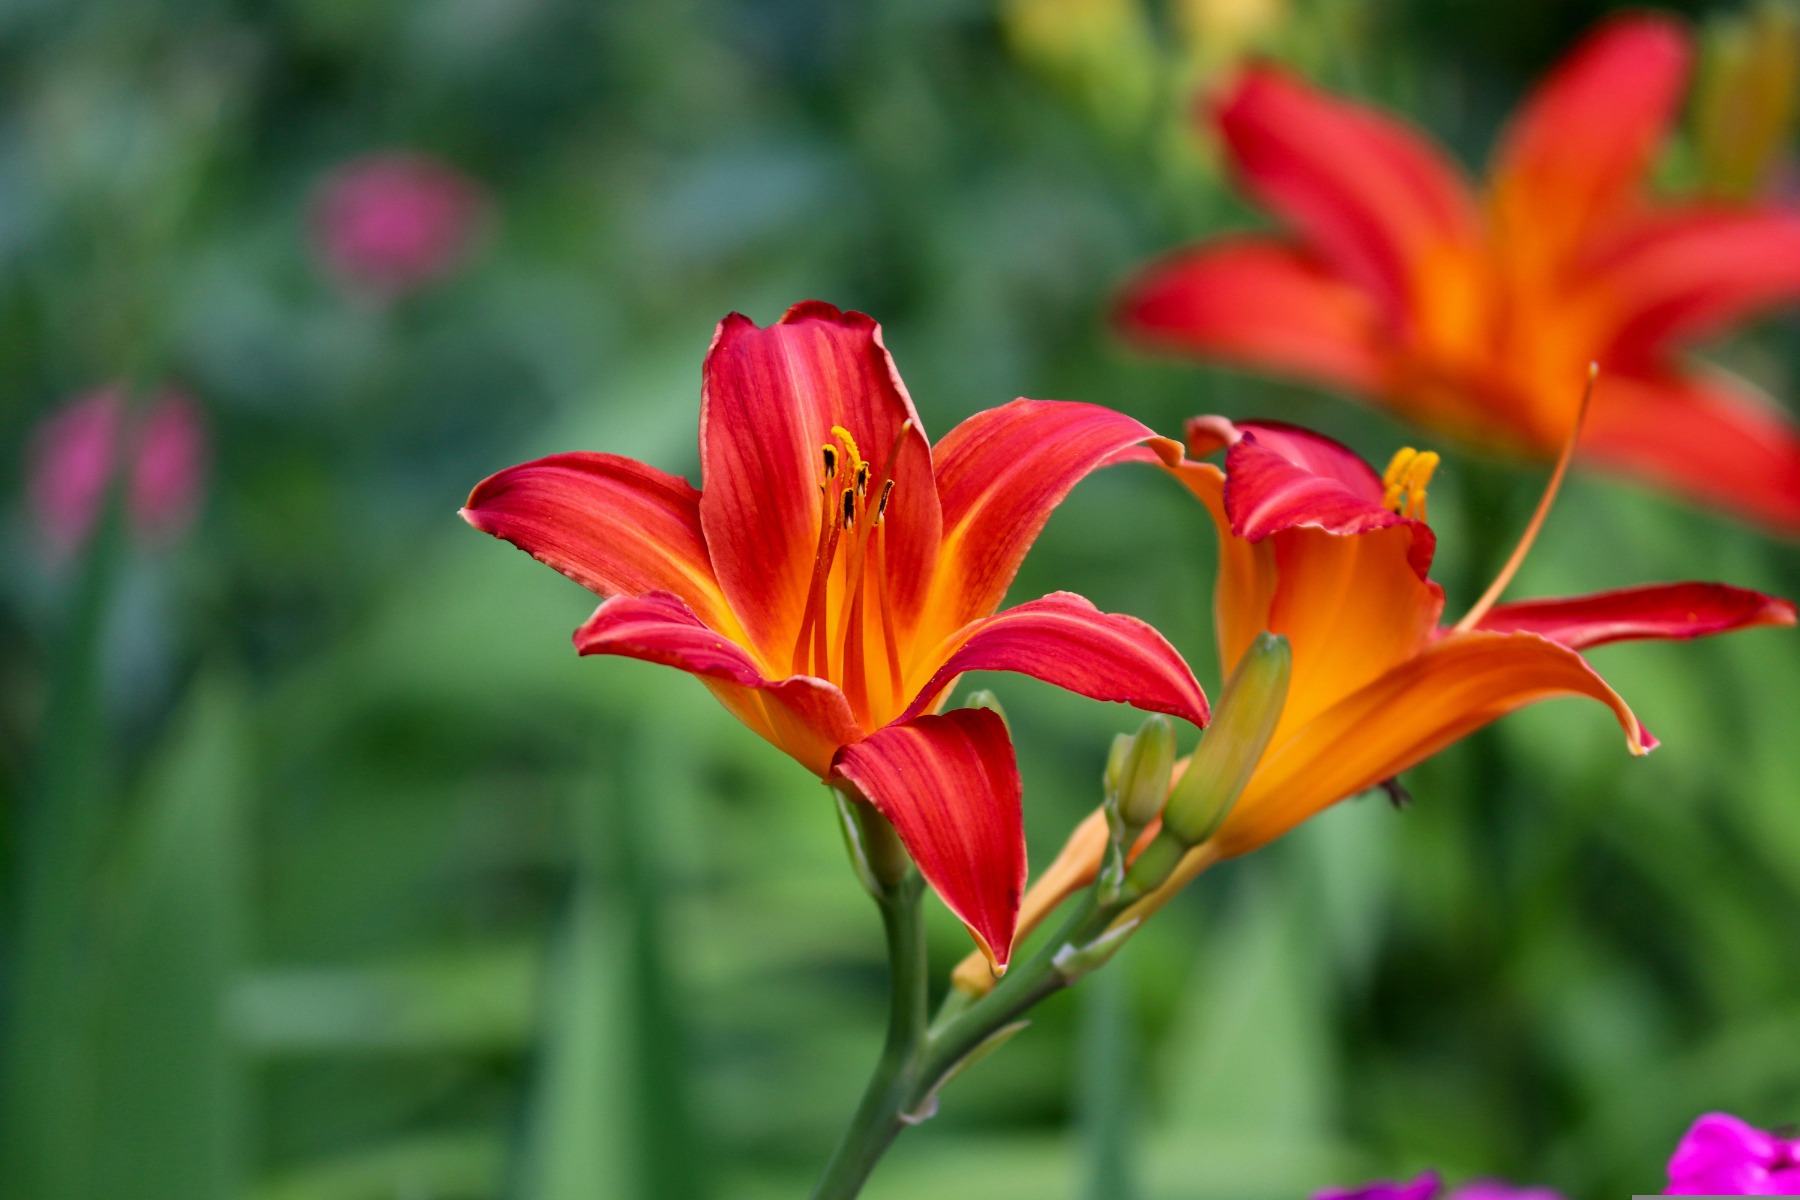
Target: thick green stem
{"type": "Point", "coordinates": [886, 1105]}
{"type": "Point", "coordinates": [916, 1062]}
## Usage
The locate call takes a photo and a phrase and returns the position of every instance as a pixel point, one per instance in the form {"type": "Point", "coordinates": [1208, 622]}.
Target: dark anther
{"type": "Point", "coordinates": [849, 508]}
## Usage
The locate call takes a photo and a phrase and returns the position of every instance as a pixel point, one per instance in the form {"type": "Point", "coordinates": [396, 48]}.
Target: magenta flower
{"type": "Point", "coordinates": [388, 223]}
{"type": "Point", "coordinates": [1723, 1156]}
{"type": "Point", "coordinates": [76, 451]}
{"type": "Point", "coordinates": [1428, 1185]}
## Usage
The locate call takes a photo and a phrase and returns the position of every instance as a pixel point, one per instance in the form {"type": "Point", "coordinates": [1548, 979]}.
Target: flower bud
{"type": "Point", "coordinates": [1243, 722]}
{"type": "Point", "coordinates": [1745, 99]}
{"type": "Point", "coordinates": [1138, 771]}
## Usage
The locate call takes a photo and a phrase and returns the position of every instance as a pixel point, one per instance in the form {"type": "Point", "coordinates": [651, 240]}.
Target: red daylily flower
{"type": "Point", "coordinates": [1317, 547]}
{"type": "Point", "coordinates": [837, 573]}
{"type": "Point", "coordinates": [1478, 318]}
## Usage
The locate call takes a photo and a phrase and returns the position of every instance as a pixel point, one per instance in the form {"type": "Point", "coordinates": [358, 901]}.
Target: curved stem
{"type": "Point", "coordinates": [916, 1062]}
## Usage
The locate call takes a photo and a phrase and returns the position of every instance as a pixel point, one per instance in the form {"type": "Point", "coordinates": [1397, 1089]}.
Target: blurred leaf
{"type": "Point", "coordinates": [172, 1098]}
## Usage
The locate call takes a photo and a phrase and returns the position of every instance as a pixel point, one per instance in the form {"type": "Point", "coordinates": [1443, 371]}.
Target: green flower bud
{"type": "Point", "coordinates": [1243, 722]}
{"type": "Point", "coordinates": [1138, 771]}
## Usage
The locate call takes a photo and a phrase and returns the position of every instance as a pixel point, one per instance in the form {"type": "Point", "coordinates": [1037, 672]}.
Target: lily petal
{"type": "Point", "coordinates": [806, 717]}
{"type": "Point", "coordinates": [1268, 491]}
{"type": "Point", "coordinates": [999, 475]}
{"type": "Point", "coordinates": [1691, 273]}
{"type": "Point", "coordinates": [1461, 683]}
{"type": "Point", "coordinates": [1064, 640]}
{"type": "Point", "coordinates": [1708, 436]}
{"type": "Point", "coordinates": [1258, 303]}
{"type": "Point", "coordinates": [770, 399]}
{"type": "Point", "coordinates": [1311, 452]}
{"type": "Point", "coordinates": [1307, 551]}
{"type": "Point", "coordinates": [950, 786]}
{"type": "Point", "coordinates": [612, 524]}
{"type": "Point", "coordinates": [1580, 146]}
{"type": "Point", "coordinates": [1674, 611]}
{"type": "Point", "coordinates": [1371, 195]}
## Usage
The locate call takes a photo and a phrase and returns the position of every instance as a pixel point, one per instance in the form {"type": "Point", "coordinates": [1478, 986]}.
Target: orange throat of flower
{"type": "Point", "coordinates": [833, 642]}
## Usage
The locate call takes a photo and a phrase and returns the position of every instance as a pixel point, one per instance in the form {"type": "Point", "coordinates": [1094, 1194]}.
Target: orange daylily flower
{"type": "Point", "coordinates": [1316, 546]}
{"type": "Point", "coordinates": [837, 573]}
{"type": "Point", "coordinates": [1478, 316]}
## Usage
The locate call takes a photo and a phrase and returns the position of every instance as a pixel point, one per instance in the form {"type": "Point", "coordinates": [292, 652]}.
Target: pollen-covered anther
{"type": "Point", "coordinates": [830, 456]}
{"type": "Point", "coordinates": [1405, 481]}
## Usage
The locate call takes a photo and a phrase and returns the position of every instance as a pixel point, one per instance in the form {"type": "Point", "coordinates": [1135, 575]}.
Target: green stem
{"type": "Point", "coordinates": [917, 1061]}
{"type": "Point", "coordinates": [885, 1103]}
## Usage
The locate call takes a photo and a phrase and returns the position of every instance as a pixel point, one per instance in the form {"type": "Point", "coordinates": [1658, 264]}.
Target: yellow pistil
{"type": "Point", "coordinates": [1405, 480]}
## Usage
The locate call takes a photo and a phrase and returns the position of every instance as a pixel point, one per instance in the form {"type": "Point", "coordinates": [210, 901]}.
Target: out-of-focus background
{"type": "Point", "coordinates": [333, 874]}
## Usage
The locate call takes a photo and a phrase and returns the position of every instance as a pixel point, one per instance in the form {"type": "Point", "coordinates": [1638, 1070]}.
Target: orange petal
{"type": "Point", "coordinates": [1000, 473]}
{"type": "Point", "coordinates": [1373, 197]}
{"type": "Point", "coordinates": [1461, 683]}
{"type": "Point", "coordinates": [1665, 612]}
{"type": "Point", "coordinates": [1258, 303]}
{"type": "Point", "coordinates": [1577, 152]}
{"type": "Point", "coordinates": [612, 524]}
{"type": "Point", "coordinates": [1688, 274]}
{"type": "Point", "coordinates": [806, 717]}
{"type": "Point", "coordinates": [770, 399]}
{"type": "Point", "coordinates": [1064, 640]}
{"type": "Point", "coordinates": [1707, 436]}
{"type": "Point", "coordinates": [950, 787]}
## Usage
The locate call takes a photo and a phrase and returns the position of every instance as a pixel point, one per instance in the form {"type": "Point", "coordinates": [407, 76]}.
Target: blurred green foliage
{"type": "Point", "coordinates": [334, 875]}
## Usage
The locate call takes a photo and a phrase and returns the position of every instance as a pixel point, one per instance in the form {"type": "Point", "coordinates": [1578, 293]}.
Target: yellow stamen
{"type": "Point", "coordinates": [856, 458]}
{"type": "Point", "coordinates": [1405, 480]}
{"type": "Point", "coordinates": [1537, 518]}
{"type": "Point", "coordinates": [830, 453]}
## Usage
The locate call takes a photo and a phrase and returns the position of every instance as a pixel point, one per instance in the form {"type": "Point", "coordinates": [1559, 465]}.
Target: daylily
{"type": "Point", "coordinates": [1428, 1186]}
{"type": "Point", "coordinates": [1316, 546]}
{"type": "Point", "coordinates": [1723, 1156]}
{"type": "Point", "coordinates": [1478, 316]}
{"type": "Point", "coordinates": [836, 573]}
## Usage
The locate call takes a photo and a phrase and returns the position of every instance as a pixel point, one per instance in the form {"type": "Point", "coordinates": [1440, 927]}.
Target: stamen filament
{"type": "Point", "coordinates": [889, 636]}
{"type": "Point", "coordinates": [813, 617]}
{"type": "Point", "coordinates": [1505, 577]}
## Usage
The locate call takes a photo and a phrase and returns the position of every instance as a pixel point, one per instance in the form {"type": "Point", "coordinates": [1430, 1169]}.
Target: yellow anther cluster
{"type": "Point", "coordinates": [1405, 480]}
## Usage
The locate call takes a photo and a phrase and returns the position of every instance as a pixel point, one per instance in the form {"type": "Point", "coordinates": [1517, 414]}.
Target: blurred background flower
{"type": "Point", "coordinates": [387, 224]}
{"type": "Point", "coordinates": [77, 451]}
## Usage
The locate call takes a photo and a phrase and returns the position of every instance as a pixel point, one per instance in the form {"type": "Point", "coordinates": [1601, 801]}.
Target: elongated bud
{"type": "Point", "coordinates": [1243, 722]}
{"type": "Point", "coordinates": [1745, 99]}
{"type": "Point", "coordinates": [1138, 771]}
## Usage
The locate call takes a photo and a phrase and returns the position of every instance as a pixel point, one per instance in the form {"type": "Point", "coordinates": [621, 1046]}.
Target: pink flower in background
{"type": "Point", "coordinates": [1723, 1156]}
{"type": "Point", "coordinates": [388, 223]}
{"type": "Point", "coordinates": [77, 449]}
{"type": "Point", "coordinates": [1428, 1186]}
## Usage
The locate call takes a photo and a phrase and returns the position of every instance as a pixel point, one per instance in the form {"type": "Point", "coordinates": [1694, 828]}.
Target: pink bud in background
{"type": "Point", "coordinates": [76, 450]}
{"type": "Point", "coordinates": [169, 470]}
{"type": "Point", "coordinates": [389, 223]}
{"type": "Point", "coordinates": [1723, 1156]}
{"type": "Point", "coordinates": [71, 460]}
